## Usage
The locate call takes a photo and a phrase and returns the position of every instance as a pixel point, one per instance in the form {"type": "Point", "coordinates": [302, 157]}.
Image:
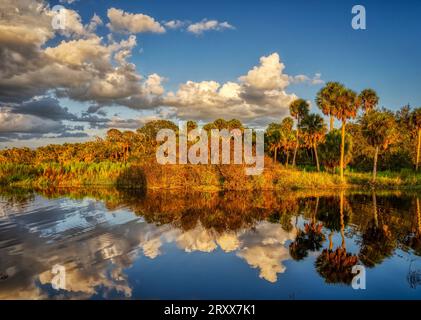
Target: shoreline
{"type": "Point", "coordinates": [153, 176]}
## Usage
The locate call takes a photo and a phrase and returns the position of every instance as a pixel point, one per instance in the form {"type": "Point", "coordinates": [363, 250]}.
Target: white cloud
{"type": "Point", "coordinates": [268, 75]}
{"type": "Point", "coordinates": [175, 24]}
{"type": "Point", "coordinates": [124, 22]}
{"type": "Point", "coordinates": [257, 96]}
{"type": "Point", "coordinates": [94, 23]}
{"type": "Point", "coordinates": [207, 25]}
{"type": "Point", "coordinates": [83, 68]}
{"type": "Point", "coordinates": [301, 78]}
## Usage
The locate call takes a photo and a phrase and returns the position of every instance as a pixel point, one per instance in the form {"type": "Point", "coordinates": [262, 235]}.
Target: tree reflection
{"type": "Point", "coordinates": [256, 227]}
{"type": "Point", "coordinates": [309, 239]}
{"type": "Point", "coordinates": [336, 266]}
{"type": "Point", "coordinates": [413, 240]}
{"type": "Point", "coordinates": [377, 241]}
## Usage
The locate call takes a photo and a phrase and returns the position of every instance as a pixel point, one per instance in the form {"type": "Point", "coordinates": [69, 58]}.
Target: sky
{"type": "Point", "coordinates": [119, 64]}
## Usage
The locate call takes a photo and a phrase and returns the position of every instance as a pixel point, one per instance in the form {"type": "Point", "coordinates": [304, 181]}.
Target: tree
{"type": "Point", "coordinates": [415, 124]}
{"type": "Point", "coordinates": [299, 109]}
{"type": "Point", "coordinates": [330, 154]}
{"type": "Point", "coordinates": [346, 107]}
{"type": "Point", "coordinates": [379, 128]}
{"type": "Point", "coordinates": [314, 130]}
{"type": "Point", "coordinates": [326, 100]}
{"type": "Point", "coordinates": [287, 137]}
{"type": "Point", "coordinates": [368, 99]}
{"type": "Point", "coordinates": [150, 130]}
{"type": "Point", "coordinates": [273, 138]}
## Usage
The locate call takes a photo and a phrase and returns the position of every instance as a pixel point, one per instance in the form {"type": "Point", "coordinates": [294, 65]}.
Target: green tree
{"type": "Point", "coordinates": [346, 107]}
{"type": "Point", "coordinates": [299, 108]}
{"type": "Point", "coordinates": [330, 154]}
{"type": "Point", "coordinates": [314, 130]}
{"type": "Point", "coordinates": [380, 130]}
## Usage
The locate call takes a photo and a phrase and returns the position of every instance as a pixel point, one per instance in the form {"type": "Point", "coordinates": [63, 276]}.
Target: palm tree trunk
{"type": "Point", "coordinates": [376, 219]}
{"type": "Point", "coordinates": [276, 149]}
{"type": "Point", "coordinates": [315, 210]}
{"type": "Point", "coordinates": [418, 215]}
{"type": "Point", "coordinates": [287, 160]}
{"type": "Point", "coordinates": [376, 154]}
{"type": "Point", "coordinates": [330, 241]}
{"type": "Point", "coordinates": [342, 151]}
{"type": "Point", "coordinates": [418, 149]}
{"type": "Point", "coordinates": [331, 123]}
{"type": "Point", "coordinates": [343, 245]}
{"type": "Point", "coordinates": [316, 156]}
{"type": "Point", "coordinates": [296, 148]}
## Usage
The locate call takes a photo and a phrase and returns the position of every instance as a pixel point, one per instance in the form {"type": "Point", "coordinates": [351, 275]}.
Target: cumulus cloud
{"type": "Point", "coordinates": [83, 67]}
{"type": "Point", "coordinates": [208, 25]}
{"type": "Point", "coordinates": [257, 96]}
{"type": "Point", "coordinates": [124, 22]}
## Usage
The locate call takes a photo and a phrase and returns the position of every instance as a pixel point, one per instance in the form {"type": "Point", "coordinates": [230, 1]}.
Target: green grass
{"type": "Point", "coordinates": [386, 179]}
{"type": "Point", "coordinates": [67, 175]}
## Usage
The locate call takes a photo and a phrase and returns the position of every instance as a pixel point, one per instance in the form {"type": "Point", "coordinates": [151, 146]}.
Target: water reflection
{"type": "Point", "coordinates": [114, 242]}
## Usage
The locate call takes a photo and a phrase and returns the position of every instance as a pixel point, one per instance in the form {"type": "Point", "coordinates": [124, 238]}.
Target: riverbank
{"type": "Point", "coordinates": [194, 177]}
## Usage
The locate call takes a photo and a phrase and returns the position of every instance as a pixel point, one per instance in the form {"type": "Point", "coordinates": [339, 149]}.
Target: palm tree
{"type": "Point", "coordinates": [346, 107]}
{"type": "Point", "coordinates": [314, 130]}
{"type": "Point", "coordinates": [326, 100]}
{"type": "Point", "coordinates": [380, 130]}
{"type": "Point", "coordinates": [415, 122]}
{"type": "Point", "coordinates": [273, 137]}
{"type": "Point", "coordinates": [368, 99]}
{"type": "Point", "coordinates": [287, 137]}
{"type": "Point", "coordinates": [299, 109]}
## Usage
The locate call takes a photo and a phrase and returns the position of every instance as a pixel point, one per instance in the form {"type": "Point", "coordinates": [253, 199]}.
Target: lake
{"type": "Point", "coordinates": [119, 244]}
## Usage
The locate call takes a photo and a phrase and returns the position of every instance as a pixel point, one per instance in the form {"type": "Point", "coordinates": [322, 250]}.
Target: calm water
{"type": "Point", "coordinates": [175, 245]}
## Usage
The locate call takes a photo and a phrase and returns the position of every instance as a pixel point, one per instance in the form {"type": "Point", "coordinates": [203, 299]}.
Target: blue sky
{"type": "Point", "coordinates": [310, 37]}
{"type": "Point", "coordinates": [306, 37]}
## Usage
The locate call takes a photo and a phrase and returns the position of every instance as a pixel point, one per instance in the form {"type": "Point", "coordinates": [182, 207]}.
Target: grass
{"type": "Point", "coordinates": [297, 179]}
{"type": "Point", "coordinates": [67, 175]}
{"type": "Point", "coordinates": [386, 179]}
{"type": "Point", "coordinates": [194, 177]}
